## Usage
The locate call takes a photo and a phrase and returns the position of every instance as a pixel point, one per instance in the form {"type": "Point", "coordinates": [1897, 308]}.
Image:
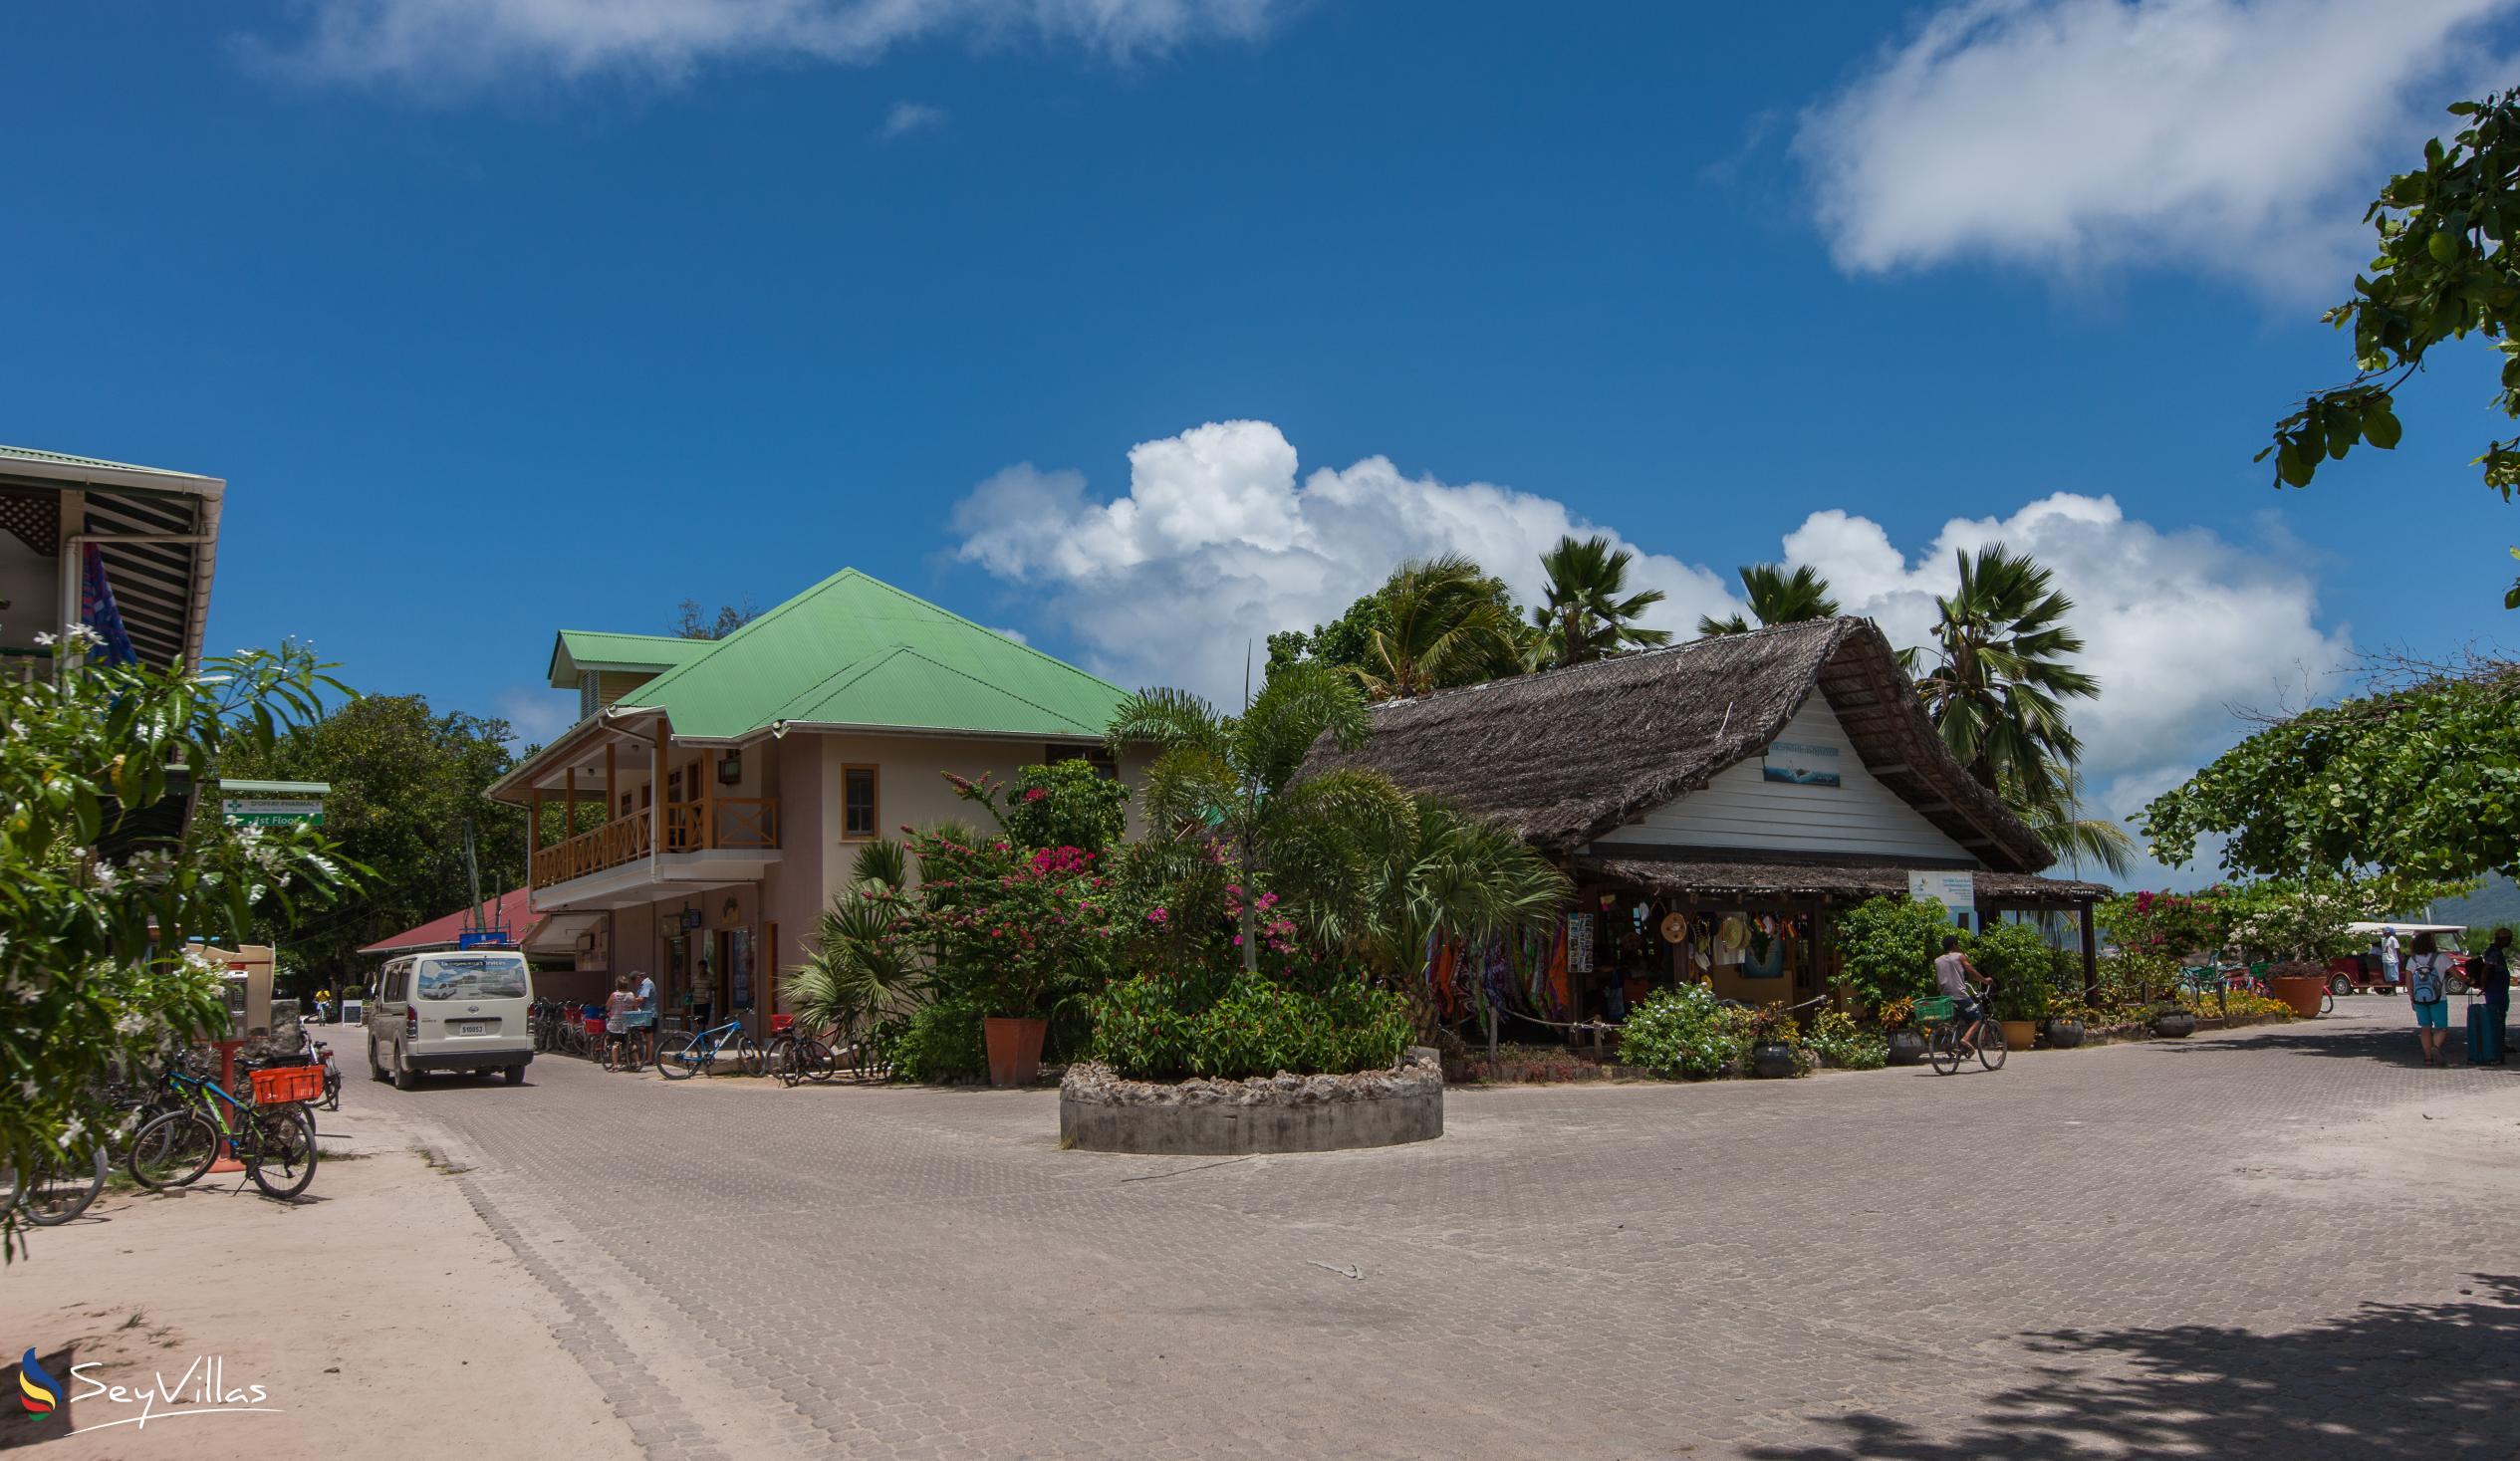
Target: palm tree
{"type": "Point", "coordinates": [858, 970]}
{"type": "Point", "coordinates": [1444, 622]}
{"type": "Point", "coordinates": [1444, 873]}
{"type": "Point", "coordinates": [1584, 617]}
{"type": "Point", "coordinates": [1776, 598]}
{"type": "Point", "coordinates": [1998, 694]}
{"type": "Point", "coordinates": [2053, 807]}
{"type": "Point", "coordinates": [1232, 778]}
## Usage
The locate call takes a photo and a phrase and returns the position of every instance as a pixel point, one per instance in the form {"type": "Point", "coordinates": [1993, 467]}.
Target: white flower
{"type": "Point", "coordinates": [105, 876]}
{"type": "Point", "coordinates": [82, 634]}
{"type": "Point", "coordinates": [130, 1023]}
{"type": "Point", "coordinates": [30, 1087]}
{"type": "Point", "coordinates": [44, 641]}
{"type": "Point", "coordinates": [71, 1133]}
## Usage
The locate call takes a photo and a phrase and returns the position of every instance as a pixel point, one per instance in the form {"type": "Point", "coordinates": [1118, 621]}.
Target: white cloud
{"type": "Point", "coordinates": [909, 116]}
{"type": "Point", "coordinates": [2243, 136]}
{"type": "Point", "coordinates": [1216, 545]}
{"type": "Point", "coordinates": [440, 43]}
{"type": "Point", "coordinates": [537, 712]}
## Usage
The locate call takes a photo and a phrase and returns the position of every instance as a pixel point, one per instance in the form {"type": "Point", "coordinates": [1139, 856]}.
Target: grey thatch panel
{"type": "Point", "coordinates": [1564, 756]}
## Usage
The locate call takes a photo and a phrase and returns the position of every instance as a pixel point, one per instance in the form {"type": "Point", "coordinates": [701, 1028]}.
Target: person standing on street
{"type": "Point", "coordinates": [2490, 973]}
{"type": "Point", "coordinates": [2428, 990]}
{"type": "Point", "coordinates": [647, 1002]}
{"type": "Point", "coordinates": [2388, 970]}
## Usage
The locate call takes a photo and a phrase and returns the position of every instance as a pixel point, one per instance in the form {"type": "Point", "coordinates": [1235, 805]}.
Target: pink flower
{"type": "Point", "coordinates": [1035, 795]}
{"type": "Point", "coordinates": [1156, 915]}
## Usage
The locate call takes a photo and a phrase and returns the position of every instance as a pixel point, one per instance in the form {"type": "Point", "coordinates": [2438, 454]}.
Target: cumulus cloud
{"type": "Point", "coordinates": [537, 712]}
{"type": "Point", "coordinates": [909, 116]}
{"type": "Point", "coordinates": [2243, 136]}
{"type": "Point", "coordinates": [437, 43]}
{"type": "Point", "coordinates": [1217, 543]}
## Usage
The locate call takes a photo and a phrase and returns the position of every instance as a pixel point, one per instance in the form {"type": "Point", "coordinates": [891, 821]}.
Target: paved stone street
{"type": "Point", "coordinates": [2288, 1242]}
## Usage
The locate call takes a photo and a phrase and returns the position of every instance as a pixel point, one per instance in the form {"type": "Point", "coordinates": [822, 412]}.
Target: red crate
{"type": "Point", "coordinates": [284, 1083]}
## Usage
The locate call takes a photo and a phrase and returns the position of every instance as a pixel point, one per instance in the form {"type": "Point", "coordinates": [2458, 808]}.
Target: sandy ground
{"type": "Point", "coordinates": [380, 1314]}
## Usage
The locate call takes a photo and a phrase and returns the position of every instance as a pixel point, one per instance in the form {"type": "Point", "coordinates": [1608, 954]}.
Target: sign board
{"type": "Point", "coordinates": [1956, 891]}
{"type": "Point", "coordinates": [1800, 763]}
{"type": "Point", "coordinates": [271, 812]}
{"type": "Point", "coordinates": [1579, 943]}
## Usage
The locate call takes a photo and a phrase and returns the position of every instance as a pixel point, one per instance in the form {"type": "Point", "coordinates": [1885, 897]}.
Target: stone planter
{"type": "Point", "coordinates": [1906, 1047]}
{"type": "Point", "coordinates": [2303, 992]}
{"type": "Point", "coordinates": [1014, 1049]}
{"type": "Point", "coordinates": [1098, 1112]}
{"type": "Point", "coordinates": [2065, 1033]}
{"type": "Point", "coordinates": [2174, 1025]}
{"type": "Point", "coordinates": [1774, 1062]}
{"type": "Point", "coordinates": [2019, 1034]}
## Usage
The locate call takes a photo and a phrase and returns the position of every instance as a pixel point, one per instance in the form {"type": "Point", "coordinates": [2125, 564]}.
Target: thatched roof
{"type": "Point", "coordinates": [1817, 879]}
{"type": "Point", "coordinates": [1564, 756]}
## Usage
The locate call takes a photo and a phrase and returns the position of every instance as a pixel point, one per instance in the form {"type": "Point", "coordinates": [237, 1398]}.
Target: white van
{"type": "Point", "coordinates": [466, 1010]}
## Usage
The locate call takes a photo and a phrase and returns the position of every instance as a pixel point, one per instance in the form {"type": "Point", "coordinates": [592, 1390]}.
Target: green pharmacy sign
{"type": "Point", "coordinates": [273, 802]}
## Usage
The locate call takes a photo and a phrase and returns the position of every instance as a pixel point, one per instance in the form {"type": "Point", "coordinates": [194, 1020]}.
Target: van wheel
{"type": "Point", "coordinates": [376, 1070]}
{"type": "Point", "coordinates": [516, 1075]}
{"type": "Point", "coordinates": [404, 1078]}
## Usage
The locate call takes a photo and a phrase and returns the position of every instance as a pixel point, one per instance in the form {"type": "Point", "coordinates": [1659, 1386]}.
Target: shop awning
{"type": "Point", "coordinates": [555, 935]}
{"type": "Point", "coordinates": [1712, 879]}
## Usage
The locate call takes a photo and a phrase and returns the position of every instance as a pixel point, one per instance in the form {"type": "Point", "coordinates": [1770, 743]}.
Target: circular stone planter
{"type": "Point", "coordinates": [2065, 1033]}
{"type": "Point", "coordinates": [2177, 1025]}
{"type": "Point", "coordinates": [1774, 1062]}
{"type": "Point", "coordinates": [1906, 1047]}
{"type": "Point", "coordinates": [1098, 1112]}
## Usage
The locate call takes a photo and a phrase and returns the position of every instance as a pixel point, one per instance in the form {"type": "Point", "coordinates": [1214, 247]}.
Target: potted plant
{"type": "Point", "coordinates": [1898, 1023]}
{"type": "Point", "coordinates": [1012, 931]}
{"type": "Point", "coordinates": [2015, 960]}
{"type": "Point", "coordinates": [1771, 1031]}
{"type": "Point", "coordinates": [2065, 1021]}
{"type": "Point", "coordinates": [2172, 1022]}
{"type": "Point", "coordinates": [2300, 984]}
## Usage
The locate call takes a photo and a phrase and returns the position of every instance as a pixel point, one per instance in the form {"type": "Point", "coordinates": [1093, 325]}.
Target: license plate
{"type": "Point", "coordinates": [473, 1026]}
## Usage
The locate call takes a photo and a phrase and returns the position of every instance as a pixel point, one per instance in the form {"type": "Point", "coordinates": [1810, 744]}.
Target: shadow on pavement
{"type": "Point", "coordinates": [2388, 1380]}
{"type": "Point", "coordinates": [2394, 1044]}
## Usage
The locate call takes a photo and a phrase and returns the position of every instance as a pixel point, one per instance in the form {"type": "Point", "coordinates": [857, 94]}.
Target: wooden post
{"type": "Point", "coordinates": [569, 820]}
{"type": "Point", "coordinates": [533, 828]}
{"type": "Point", "coordinates": [656, 795]}
{"type": "Point", "coordinates": [612, 794]}
{"type": "Point", "coordinates": [2091, 956]}
{"type": "Point", "coordinates": [708, 799]}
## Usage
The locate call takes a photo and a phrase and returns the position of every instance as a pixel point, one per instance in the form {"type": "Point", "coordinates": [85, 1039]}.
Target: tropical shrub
{"type": "Point", "coordinates": [1899, 1014]}
{"type": "Point", "coordinates": [1015, 932]}
{"type": "Point", "coordinates": [2015, 958]}
{"type": "Point", "coordinates": [936, 1042]}
{"type": "Point", "coordinates": [1682, 1032]}
{"type": "Point", "coordinates": [1887, 947]}
{"type": "Point", "coordinates": [1152, 1028]}
{"type": "Point", "coordinates": [1063, 804]}
{"type": "Point", "coordinates": [1838, 1039]}
{"type": "Point", "coordinates": [2156, 933]}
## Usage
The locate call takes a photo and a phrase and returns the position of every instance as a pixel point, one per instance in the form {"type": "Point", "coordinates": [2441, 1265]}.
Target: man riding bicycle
{"type": "Point", "coordinates": [1951, 974]}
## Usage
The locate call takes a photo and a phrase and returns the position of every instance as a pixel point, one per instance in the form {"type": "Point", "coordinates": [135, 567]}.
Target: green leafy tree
{"type": "Point", "coordinates": [1444, 622]}
{"type": "Point", "coordinates": [2445, 270]}
{"type": "Point", "coordinates": [1065, 804]}
{"type": "Point", "coordinates": [1776, 598]}
{"type": "Point", "coordinates": [99, 891]}
{"type": "Point", "coordinates": [2422, 782]}
{"type": "Point", "coordinates": [1345, 644]}
{"type": "Point", "coordinates": [1587, 613]}
{"type": "Point", "coordinates": [694, 623]}
{"type": "Point", "coordinates": [1230, 779]}
{"type": "Point", "coordinates": [405, 782]}
{"type": "Point", "coordinates": [1887, 947]}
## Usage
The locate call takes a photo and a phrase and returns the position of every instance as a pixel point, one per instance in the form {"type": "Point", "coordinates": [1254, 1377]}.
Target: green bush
{"type": "Point", "coordinates": [937, 1041]}
{"type": "Point", "coordinates": [1684, 1032]}
{"type": "Point", "coordinates": [1847, 1045]}
{"type": "Point", "coordinates": [1152, 1028]}
{"type": "Point", "coordinates": [1887, 947]}
{"type": "Point", "coordinates": [2016, 957]}
{"type": "Point", "coordinates": [1065, 804]}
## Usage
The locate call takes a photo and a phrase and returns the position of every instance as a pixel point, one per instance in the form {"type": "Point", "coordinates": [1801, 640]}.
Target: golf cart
{"type": "Point", "coordinates": [2358, 973]}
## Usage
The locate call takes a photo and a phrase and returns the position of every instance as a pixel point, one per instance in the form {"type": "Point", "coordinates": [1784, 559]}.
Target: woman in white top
{"type": "Point", "coordinates": [2428, 990]}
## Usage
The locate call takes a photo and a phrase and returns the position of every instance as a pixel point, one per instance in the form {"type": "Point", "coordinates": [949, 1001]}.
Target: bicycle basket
{"type": "Point", "coordinates": [639, 1019]}
{"type": "Point", "coordinates": [284, 1083]}
{"type": "Point", "coordinates": [1934, 1009]}
{"type": "Point", "coordinates": [782, 1024]}
{"type": "Point", "coordinates": [594, 1024]}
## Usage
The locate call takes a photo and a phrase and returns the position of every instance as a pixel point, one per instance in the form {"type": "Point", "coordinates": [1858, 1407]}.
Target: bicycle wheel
{"type": "Point", "coordinates": [281, 1156]}
{"type": "Point", "coordinates": [1943, 1050]}
{"type": "Point", "coordinates": [1990, 1045]}
{"type": "Point", "coordinates": [686, 1060]}
{"type": "Point", "coordinates": [2327, 1002]}
{"type": "Point", "coordinates": [817, 1057]}
{"type": "Point", "coordinates": [332, 1088]}
{"type": "Point", "coordinates": [62, 1186]}
{"type": "Point", "coordinates": [174, 1150]}
{"type": "Point", "coordinates": [612, 1054]}
{"type": "Point", "coordinates": [748, 1057]}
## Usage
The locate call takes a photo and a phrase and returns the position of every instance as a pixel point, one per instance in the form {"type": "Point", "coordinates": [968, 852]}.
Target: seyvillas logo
{"type": "Point", "coordinates": [38, 1391]}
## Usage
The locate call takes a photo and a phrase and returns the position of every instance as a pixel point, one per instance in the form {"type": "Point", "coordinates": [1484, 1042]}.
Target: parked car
{"type": "Point", "coordinates": [465, 1010]}
{"type": "Point", "coordinates": [2358, 972]}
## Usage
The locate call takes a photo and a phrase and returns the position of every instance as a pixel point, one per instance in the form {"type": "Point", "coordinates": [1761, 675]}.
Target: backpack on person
{"type": "Point", "coordinates": [2424, 980]}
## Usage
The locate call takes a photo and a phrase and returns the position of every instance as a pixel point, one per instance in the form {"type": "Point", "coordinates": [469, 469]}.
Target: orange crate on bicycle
{"type": "Point", "coordinates": [285, 1084]}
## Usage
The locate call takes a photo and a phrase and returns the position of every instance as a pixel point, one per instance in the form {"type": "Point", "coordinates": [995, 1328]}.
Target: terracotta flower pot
{"type": "Point", "coordinates": [2020, 1033]}
{"type": "Point", "coordinates": [1014, 1049]}
{"type": "Point", "coordinates": [2303, 992]}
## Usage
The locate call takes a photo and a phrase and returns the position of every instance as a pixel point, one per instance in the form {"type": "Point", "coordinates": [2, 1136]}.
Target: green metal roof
{"type": "Point", "coordinates": [65, 459]}
{"type": "Point", "coordinates": [855, 650]}
{"type": "Point", "coordinates": [577, 650]}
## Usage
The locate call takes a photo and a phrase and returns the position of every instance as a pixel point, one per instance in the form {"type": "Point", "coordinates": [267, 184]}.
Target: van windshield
{"type": "Point", "coordinates": [472, 976]}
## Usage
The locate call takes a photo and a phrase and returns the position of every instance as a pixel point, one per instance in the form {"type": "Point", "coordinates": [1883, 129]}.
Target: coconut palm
{"type": "Point", "coordinates": [1444, 622]}
{"type": "Point", "coordinates": [1232, 778]}
{"type": "Point", "coordinates": [1587, 613]}
{"type": "Point", "coordinates": [1997, 693]}
{"type": "Point", "coordinates": [2053, 807]}
{"type": "Point", "coordinates": [1442, 873]}
{"type": "Point", "coordinates": [1775, 597]}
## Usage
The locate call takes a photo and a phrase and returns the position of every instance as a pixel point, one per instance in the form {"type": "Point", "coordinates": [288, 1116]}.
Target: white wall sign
{"type": "Point", "coordinates": [1956, 892]}
{"type": "Point", "coordinates": [1800, 763]}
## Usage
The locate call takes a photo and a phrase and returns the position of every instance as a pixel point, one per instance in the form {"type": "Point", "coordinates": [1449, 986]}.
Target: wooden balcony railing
{"type": "Point", "coordinates": [690, 827]}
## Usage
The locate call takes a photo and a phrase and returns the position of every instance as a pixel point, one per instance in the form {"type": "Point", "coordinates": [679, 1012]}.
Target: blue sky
{"type": "Point", "coordinates": [502, 317]}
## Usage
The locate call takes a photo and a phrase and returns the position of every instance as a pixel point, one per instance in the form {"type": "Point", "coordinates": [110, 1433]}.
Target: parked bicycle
{"type": "Point", "coordinates": [273, 1134]}
{"type": "Point", "coordinates": [59, 1187]}
{"type": "Point", "coordinates": [700, 1050]}
{"type": "Point", "coordinates": [1947, 1045]}
{"type": "Point", "coordinates": [794, 1056]}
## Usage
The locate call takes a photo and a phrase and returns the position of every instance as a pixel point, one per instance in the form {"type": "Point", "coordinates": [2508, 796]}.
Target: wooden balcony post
{"type": "Point", "coordinates": [533, 818]}
{"type": "Point", "coordinates": [569, 829]}
{"type": "Point", "coordinates": [656, 795]}
{"type": "Point", "coordinates": [612, 796]}
{"type": "Point", "coordinates": [708, 799]}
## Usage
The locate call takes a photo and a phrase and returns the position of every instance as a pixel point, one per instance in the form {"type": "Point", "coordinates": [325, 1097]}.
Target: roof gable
{"type": "Point", "coordinates": [573, 650]}
{"type": "Point", "coordinates": [854, 650]}
{"type": "Point", "coordinates": [1564, 756]}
